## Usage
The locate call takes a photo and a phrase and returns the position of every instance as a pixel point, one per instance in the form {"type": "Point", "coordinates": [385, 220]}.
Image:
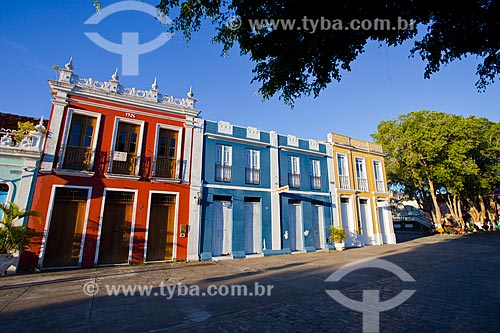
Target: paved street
{"type": "Point", "coordinates": [457, 281]}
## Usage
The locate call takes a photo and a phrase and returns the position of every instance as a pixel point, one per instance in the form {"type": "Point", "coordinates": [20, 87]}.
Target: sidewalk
{"type": "Point", "coordinates": [444, 267]}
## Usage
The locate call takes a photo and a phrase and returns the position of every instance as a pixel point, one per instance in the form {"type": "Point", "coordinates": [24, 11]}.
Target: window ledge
{"type": "Point", "coordinates": [384, 193]}
{"type": "Point", "coordinates": [166, 180]}
{"type": "Point", "coordinates": [120, 176]}
{"type": "Point", "coordinates": [76, 173]}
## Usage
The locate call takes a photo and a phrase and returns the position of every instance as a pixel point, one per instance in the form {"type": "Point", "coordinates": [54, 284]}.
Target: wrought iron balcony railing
{"type": "Point", "coordinates": [362, 184]}
{"type": "Point", "coordinates": [345, 183]}
{"type": "Point", "coordinates": [223, 172]}
{"type": "Point", "coordinates": [167, 167]}
{"type": "Point", "coordinates": [124, 166]}
{"type": "Point", "coordinates": [380, 184]}
{"type": "Point", "coordinates": [316, 182]}
{"type": "Point", "coordinates": [294, 180]}
{"type": "Point", "coordinates": [77, 158]}
{"type": "Point", "coordinates": [252, 176]}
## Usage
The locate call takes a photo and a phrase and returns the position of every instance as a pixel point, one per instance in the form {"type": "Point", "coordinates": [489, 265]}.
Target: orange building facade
{"type": "Point", "coordinates": [116, 182]}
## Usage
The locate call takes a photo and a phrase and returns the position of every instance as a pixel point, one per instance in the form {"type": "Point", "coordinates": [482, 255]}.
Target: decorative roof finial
{"type": "Point", "coordinates": [40, 126]}
{"type": "Point", "coordinates": [115, 76]}
{"type": "Point", "coordinates": [190, 93]}
{"type": "Point", "coordinates": [69, 65]}
{"type": "Point", "coordinates": [154, 86]}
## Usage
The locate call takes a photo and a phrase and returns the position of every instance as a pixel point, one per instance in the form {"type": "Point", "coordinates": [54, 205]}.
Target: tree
{"type": "Point", "coordinates": [294, 59]}
{"type": "Point", "coordinates": [415, 145]}
{"type": "Point", "coordinates": [23, 129]}
{"type": "Point", "coordinates": [13, 237]}
{"type": "Point", "coordinates": [486, 156]}
{"type": "Point", "coordinates": [443, 157]}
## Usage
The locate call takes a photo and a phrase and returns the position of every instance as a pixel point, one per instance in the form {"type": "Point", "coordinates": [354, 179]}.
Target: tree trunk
{"type": "Point", "coordinates": [474, 213]}
{"type": "Point", "coordinates": [437, 210]}
{"type": "Point", "coordinates": [484, 210]}
{"type": "Point", "coordinates": [460, 215]}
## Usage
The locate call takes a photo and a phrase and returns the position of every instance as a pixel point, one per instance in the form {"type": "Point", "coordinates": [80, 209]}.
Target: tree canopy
{"type": "Point", "coordinates": [438, 155]}
{"type": "Point", "coordinates": [294, 59]}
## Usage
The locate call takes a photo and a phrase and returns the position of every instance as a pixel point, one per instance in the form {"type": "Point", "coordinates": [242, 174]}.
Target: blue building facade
{"type": "Point", "coordinates": [19, 161]}
{"type": "Point", "coordinates": [262, 193]}
{"type": "Point", "coordinates": [305, 202]}
{"type": "Point", "coordinates": [236, 209]}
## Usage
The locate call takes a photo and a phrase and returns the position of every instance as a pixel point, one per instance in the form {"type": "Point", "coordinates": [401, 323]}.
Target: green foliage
{"type": "Point", "coordinates": [337, 234]}
{"type": "Point", "coordinates": [296, 62]}
{"type": "Point", "coordinates": [23, 128]}
{"type": "Point", "coordinates": [14, 238]}
{"type": "Point", "coordinates": [427, 150]}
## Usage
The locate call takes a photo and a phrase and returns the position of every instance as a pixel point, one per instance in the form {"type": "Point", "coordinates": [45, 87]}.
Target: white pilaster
{"type": "Point", "coordinates": [60, 102]}
{"type": "Point", "coordinates": [195, 192]}
{"type": "Point", "coordinates": [331, 186]}
{"type": "Point", "coordinates": [188, 142]}
{"type": "Point", "coordinates": [275, 197]}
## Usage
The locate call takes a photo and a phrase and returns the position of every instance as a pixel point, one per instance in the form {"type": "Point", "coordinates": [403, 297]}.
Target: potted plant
{"type": "Point", "coordinates": [337, 235]}
{"type": "Point", "coordinates": [13, 238]}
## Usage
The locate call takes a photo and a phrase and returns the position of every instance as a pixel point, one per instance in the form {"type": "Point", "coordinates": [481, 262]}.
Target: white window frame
{"type": "Point", "coordinates": [294, 164]}
{"type": "Point", "coordinates": [252, 163]}
{"type": "Point", "coordinates": [253, 158]}
{"type": "Point", "coordinates": [343, 169]}
{"type": "Point", "coordinates": [315, 173]}
{"type": "Point", "coordinates": [315, 168]}
{"type": "Point", "coordinates": [139, 143]}
{"type": "Point", "coordinates": [379, 176]}
{"type": "Point", "coordinates": [179, 131]}
{"type": "Point", "coordinates": [360, 174]}
{"type": "Point", "coordinates": [377, 165]}
{"type": "Point", "coordinates": [225, 158]}
{"type": "Point", "coordinates": [10, 192]}
{"type": "Point", "coordinates": [67, 128]}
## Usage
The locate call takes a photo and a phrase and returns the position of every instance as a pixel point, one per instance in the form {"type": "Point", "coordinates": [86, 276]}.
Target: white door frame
{"type": "Point", "coordinates": [176, 219]}
{"type": "Point", "coordinates": [367, 222]}
{"type": "Point", "coordinates": [49, 217]}
{"type": "Point", "coordinates": [255, 230]}
{"type": "Point", "coordinates": [101, 219]}
{"type": "Point", "coordinates": [227, 226]}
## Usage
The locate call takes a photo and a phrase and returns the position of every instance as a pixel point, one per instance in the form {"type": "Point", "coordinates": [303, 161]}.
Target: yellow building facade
{"type": "Point", "coordinates": [359, 191]}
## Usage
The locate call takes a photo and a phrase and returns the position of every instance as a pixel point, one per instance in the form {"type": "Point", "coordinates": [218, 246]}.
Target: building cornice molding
{"type": "Point", "coordinates": [303, 151]}
{"type": "Point", "coordinates": [239, 140]}
{"type": "Point", "coordinates": [121, 109]}
{"type": "Point", "coordinates": [110, 96]}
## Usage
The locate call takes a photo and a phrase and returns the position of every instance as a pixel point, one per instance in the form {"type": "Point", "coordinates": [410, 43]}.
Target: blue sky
{"type": "Point", "coordinates": [383, 83]}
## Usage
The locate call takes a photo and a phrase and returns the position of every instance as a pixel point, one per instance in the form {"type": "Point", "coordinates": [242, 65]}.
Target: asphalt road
{"type": "Point", "coordinates": [456, 289]}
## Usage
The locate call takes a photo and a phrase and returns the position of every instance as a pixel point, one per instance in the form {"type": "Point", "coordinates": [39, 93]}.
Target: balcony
{"type": "Point", "coordinates": [294, 179]}
{"type": "Point", "coordinates": [362, 184]}
{"type": "Point", "coordinates": [124, 163]}
{"type": "Point", "coordinates": [223, 172]}
{"type": "Point", "coordinates": [167, 167]}
{"type": "Point", "coordinates": [77, 158]}
{"type": "Point", "coordinates": [345, 183]}
{"type": "Point", "coordinates": [380, 184]}
{"type": "Point", "coordinates": [252, 176]}
{"type": "Point", "coordinates": [316, 182]}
